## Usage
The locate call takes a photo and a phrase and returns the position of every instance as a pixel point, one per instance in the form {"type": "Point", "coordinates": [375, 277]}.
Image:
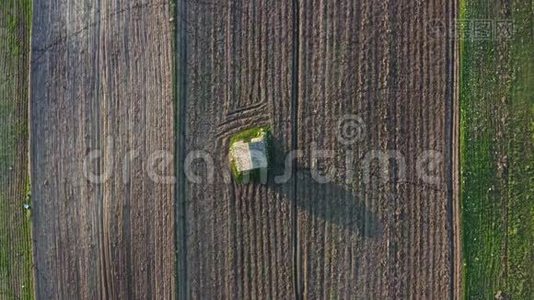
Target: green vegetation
{"type": "Point", "coordinates": [16, 268]}
{"type": "Point", "coordinates": [497, 151]}
{"type": "Point", "coordinates": [246, 136]}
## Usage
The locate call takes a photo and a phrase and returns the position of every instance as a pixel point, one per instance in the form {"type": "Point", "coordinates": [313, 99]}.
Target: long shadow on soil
{"type": "Point", "coordinates": [331, 202]}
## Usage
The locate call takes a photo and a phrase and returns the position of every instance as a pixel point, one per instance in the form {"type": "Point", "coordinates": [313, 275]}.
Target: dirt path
{"type": "Point", "coordinates": [455, 176]}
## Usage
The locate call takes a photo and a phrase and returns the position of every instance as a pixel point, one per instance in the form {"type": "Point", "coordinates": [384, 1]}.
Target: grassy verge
{"type": "Point", "coordinates": [497, 151]}
{"type": "Point", "coordinates": [16, 271]}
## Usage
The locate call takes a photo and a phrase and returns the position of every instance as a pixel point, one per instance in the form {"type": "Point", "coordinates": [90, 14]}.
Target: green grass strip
{"type": "Point", "coordinates": [497, 154]}
{"type": "Point", "coordinates": [16, 267]}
